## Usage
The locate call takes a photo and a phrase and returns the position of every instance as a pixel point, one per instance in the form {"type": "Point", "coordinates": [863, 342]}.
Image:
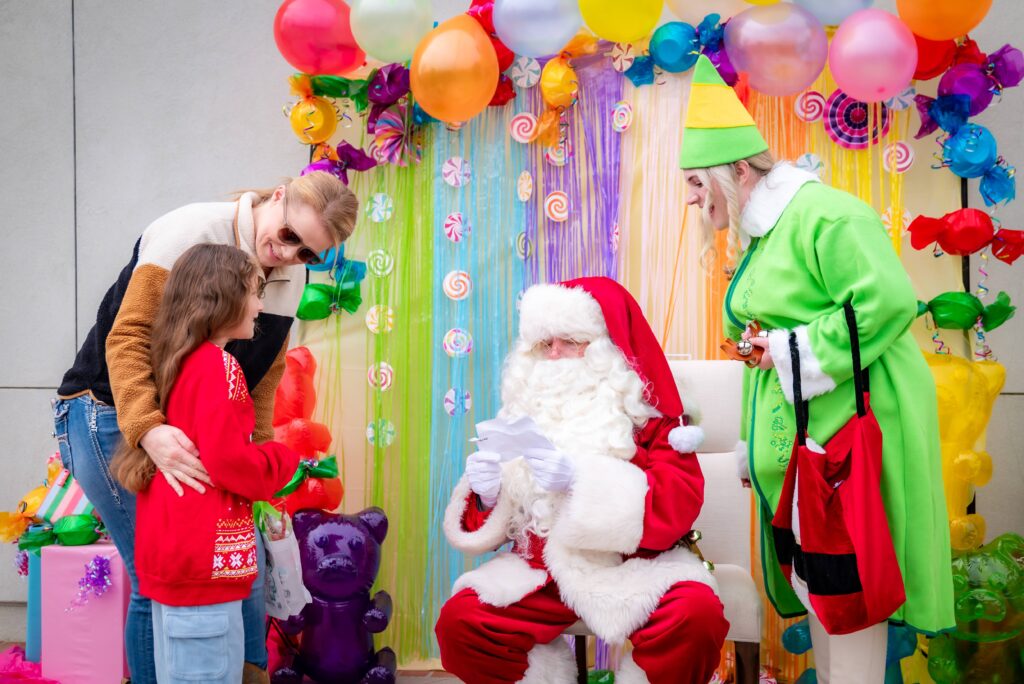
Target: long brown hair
{"type": "Point", "coordinates": [206, 292]}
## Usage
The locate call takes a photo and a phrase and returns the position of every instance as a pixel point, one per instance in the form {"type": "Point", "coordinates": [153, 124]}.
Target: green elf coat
{"type": "Point", "coordinates": [808, 248]}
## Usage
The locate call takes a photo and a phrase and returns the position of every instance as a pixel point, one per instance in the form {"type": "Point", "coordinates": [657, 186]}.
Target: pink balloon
{"type": "Point", "coordinates": [873, 55]}
{"type": "Point", "coordinates": [781, 47]}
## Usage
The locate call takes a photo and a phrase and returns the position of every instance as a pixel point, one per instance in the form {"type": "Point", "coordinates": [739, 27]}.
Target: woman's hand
{"type": "Point", "coordinates": [766, 358]}
{"type": "Point", "coordinates": [176, 457]}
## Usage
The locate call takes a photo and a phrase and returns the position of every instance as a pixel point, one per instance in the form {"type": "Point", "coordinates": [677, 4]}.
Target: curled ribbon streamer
{"type": "Point", "coordinates": [982, 288]}
{"type": "Point", "coordinates": [981, 348]}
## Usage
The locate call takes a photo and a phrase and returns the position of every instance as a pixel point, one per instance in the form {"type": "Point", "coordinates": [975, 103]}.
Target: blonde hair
{"type": "Point", "coordinates": [205, 293]}
{"type": "Point", "coordinates": [725, 178]}
{"type": "Point", "coordinates": [334, 203]}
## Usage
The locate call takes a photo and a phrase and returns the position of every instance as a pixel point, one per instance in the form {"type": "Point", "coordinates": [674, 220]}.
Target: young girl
{"type": "Point", "coordinates": [195, 555]}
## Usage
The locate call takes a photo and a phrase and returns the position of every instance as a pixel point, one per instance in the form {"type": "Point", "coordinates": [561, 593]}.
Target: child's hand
{"type": "Point", "coordinates": [176, 457]}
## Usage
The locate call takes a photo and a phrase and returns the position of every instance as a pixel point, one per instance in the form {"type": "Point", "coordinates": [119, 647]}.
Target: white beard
{"type": "Point", "coordinates": [587, 406]}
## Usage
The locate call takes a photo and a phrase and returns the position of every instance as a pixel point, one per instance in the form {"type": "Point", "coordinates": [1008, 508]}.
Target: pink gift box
{"type": "Point", "coordinates": [82, 644]}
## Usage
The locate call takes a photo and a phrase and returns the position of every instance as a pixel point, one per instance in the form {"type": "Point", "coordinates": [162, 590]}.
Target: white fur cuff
{"type": "Point", "coordinates": [686, 438]}
{"type": "Point", "coordinates": [813, 380]}
{"type": "Point", "coordinates": [605, 507]}
{"type": "Point", "coordinates": [490, 536]}
{"type": "Point", "coordinates": [502, 581]}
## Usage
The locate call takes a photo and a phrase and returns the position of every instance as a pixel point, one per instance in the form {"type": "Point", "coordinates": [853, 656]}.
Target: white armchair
{"type": "Point", "coordinates": [714, 388]}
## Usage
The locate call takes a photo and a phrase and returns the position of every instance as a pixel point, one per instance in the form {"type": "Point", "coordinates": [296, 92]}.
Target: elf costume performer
{"type": "Point", "coordinates": [599, 522]}
{"type": "Point", "coordinates": [806, 249]}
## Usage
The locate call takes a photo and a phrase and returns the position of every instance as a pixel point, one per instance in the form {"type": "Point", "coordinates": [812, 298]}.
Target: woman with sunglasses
{"type": "Point", "coordinates": [109, 393]}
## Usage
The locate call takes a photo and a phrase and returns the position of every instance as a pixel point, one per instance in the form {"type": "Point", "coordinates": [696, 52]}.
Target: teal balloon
{"type": "Point", "coordinates": [902, 644]}
{"type": "Point", "coordinates": [797, 638]}
{"type": "Point", "coordinates": [675, 46]}
{"type": "Point", "coordinates": [808, 676]}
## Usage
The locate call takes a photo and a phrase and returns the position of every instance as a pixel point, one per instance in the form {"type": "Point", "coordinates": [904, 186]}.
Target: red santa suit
{"type": "Point", "coordinates": [612, 554]}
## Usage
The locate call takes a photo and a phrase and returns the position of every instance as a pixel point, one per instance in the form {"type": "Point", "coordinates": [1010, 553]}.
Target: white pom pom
{"type": "Point", "coordinates": [686, 438]}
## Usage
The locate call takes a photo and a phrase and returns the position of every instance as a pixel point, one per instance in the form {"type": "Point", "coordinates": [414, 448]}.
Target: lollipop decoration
{"type": "Point", "coordinates": [524, 248]}
{"type": "Point", "coordinates": [457, 343]}
{"type": "Point", "coordinates": [456, 227]}
{"type": "Point", "coordinates": [622, 55]}
{"type": "Point", "coordinates": [524, 186]}
{"type": "Point", "coordinates": [381, 376]}
{"type": "Point", "coordinates": [381, 433]}
{"type": "Point", "coordinates": [810, 162]}
{"type": "Point", "coordinates": [556, 206]}
{"type": "Point", "coordinates": [809, 106]}
{"type": "Point", "coordinates": [457, 285]}
{"type": "Point", "coordinates": [902, 100]}
{"type": "Point", "coordinates": [525, 72]}
{"type": "Point", "coordinates": [898, 157]}
{"type": "Point", "coordinates": [380, 319]}
{"type": "Point", "coordinates": [622, 116]}
{"type": "Point", "coordinates": [380, 208]}
{"type": "Point", "coordinates": [380, 262]}
{"type": "Point", "coordinates": [558, 155]}
{"type": "Point", "coordinates": [456, 172]}
{"type": "Point", "coordinates": [457, 402]}
{"type": "Point", "coordinates": [523, 127]}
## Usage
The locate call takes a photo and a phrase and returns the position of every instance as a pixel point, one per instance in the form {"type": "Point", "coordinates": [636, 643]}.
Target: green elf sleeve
{"type": "Point", "coordinates": [853, 260]}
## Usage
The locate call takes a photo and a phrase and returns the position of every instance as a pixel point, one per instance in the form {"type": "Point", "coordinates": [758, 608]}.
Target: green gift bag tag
{"type": "Point", "coordinates": [77, 530]}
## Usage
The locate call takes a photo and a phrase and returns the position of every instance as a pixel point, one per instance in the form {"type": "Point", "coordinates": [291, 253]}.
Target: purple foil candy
{"type": "Point", "coordinates": [972, 81]}
{"type": "Point", "coordinates": [349, 157]}
{"type": "Point", "coordinates": [387, 86]}
{"type": "Point", "coordinates": [1007, 66]}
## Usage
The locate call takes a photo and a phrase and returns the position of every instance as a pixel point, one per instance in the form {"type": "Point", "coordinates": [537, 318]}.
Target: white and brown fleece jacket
{"type": "Point", "coordinates": [114, 364]}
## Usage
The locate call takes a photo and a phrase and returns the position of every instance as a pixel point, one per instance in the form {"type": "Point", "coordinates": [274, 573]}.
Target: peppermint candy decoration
{"type": "Point", "coordinates": [623, 55]}
{"type": "Point", "coordinates": [902, 100]}
{"type": "Point", "coordinates": [898, 157]}
{"type": "Point", "coordinates": [556, 206]}
{"type": "Point", "coordinates": [380, 263]}
{"type": "Point", "coordinates": [622, 116]}
{"type": "Point", "coordinates": [455, 227]}
{"type": "Point", "coordinates": [457, 402]}
{"type": "Point", "coordinates": [524, 187]}
{"type": "Point", "coordinates": [456, 172]}
{"type": "Point", "coordinates": [381, 433]}
{"type": "Point", "coordinates": [810, 162]}
{"type": "Point", "coordinates": [380, 208]}
{"type": "Point", "coordinates": [524, 72]}
{"type": "Point", "coordinates": [381, 376]}
{"type": "Point", "coordinates": [809, 106]}
{"type": "Point", "coordinates": [524, 248]}
{"type": "Point", "coordinates": [522, 127]}
{"type": "Point", "coordinates": [457, 343]}
{"type": "Point", "coordinates": [558, 155]}
{"type": "Point", "coordinates": [457, 285]}
{"type": "Point", "coordinates": [889, 215]}
{"type": "Point", "coordinates": [380, 319]}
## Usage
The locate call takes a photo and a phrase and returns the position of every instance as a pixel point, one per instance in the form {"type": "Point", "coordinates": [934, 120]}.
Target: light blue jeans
{"type": "Point", "coordinates": [198, 643]}
{"type": "Point", "coordinates": [87, 433]}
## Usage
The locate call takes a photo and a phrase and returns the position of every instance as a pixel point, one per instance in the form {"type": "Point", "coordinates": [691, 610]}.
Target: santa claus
{"type": "Point", "coordinates": [599, 523]}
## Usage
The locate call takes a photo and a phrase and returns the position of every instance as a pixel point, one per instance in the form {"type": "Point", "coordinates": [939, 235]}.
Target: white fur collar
{"type": "Point", "coordinates": [769, 199]}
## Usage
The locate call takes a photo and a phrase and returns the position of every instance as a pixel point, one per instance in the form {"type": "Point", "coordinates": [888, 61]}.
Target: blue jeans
{"type": "Point", "coordinates": [198, 643]}
{"type": "Point", "coordinates": [87, 433]}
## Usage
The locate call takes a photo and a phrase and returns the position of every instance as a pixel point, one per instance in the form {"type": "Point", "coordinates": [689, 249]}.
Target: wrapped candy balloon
{"type": "Point", "coordinates": [971, 152]}
{"type": "Point", "coordinates": [966, 231]}
{"type": "Point", "coordinates": [711, 35]}
{"type": "Point", "coordinates": [962, 311]}
{"type": "Point", "coordinates": [975, 78]}
{"type": "Point", "coordinates": [386, 87]}
{"type": "Point", "coordinates": [320, 300]}
{"type": "Point", "coordinates": [313, 119]}
{"type": "Point", "coordinates": [344, 158]}
{"type": "Point", "coordinates": [675, 46]}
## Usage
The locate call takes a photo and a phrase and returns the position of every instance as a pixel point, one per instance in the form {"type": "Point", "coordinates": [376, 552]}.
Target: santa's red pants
{"type": "Point", "coordinates": [483, 644]}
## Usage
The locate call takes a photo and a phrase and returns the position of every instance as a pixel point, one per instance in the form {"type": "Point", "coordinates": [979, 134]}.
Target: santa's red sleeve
{"type": "Point", "coordinates": [675, 487]}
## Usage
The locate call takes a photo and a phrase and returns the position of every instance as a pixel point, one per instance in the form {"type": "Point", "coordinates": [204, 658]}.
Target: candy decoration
{"type": "Point", "coordinates": [810, 162]}
{"type": "Point", "coordinates": [525, 72]}
{"type": "Point", "coordinates": [889, 215]}
{"type": "Point", "coordinates": [622, 116]}
{"type": "Point", "coordinates": [903, 100]}
{"type": "Point", "coordinates": [558, 155]}
{"type": "Point", "coordinates": [524, 186]}
{"type": "Point", "coordinates": [809, 106]}
{"type": "Point", "coordinates": [623, 55]}
{"type": "Point", "coordinates": [380, 208]}
{"type": "Point", "coordinates": [457, 402]}
{"type": "Point", "coordinates": [381, 433]}
{"type": "Point", "coordinates": [457, 285]}
{"type": "Point", "coordinates": [556, 206]}
{"type": "Point", "coordinates": [456, 172]}
{"type": "Point", "coordinates": [524, 248]}
{"type": "Point", "coordinates": [393, 141]}
{"type": "Point", "coordinates": [898, 156]}
{"type": "Point", "coordinates": [381, 376]}
{"type": "Point", "coordinates": [380, 319]}
{"type": "Point", "coordinates": [457, 343]}
{"type": "Point", "coordinates": [616, 236]}
{"type": "Point", "coordinates": [380, 263]}
{"type": "Point", "coordinates": [523, 127]}
{"type": "Point", "coordinates": [455, 227]}
{"type": "Point", "coordinates": [848, 122]}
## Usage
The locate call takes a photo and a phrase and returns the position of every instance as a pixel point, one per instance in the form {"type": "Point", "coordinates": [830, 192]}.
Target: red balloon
{"type": "Point", "coordinates": [933, 57]}
{"type": "Point", "coordinates": [504, 93]}
{"type": "Point", "coordinates": [505, 56]}
{"type": "Point", "coordinates": [296, 395]}
{"type": "Point", "coordinates": [325, 495]}
{"type": "Point", "coordinates": [304, 437]}
{"type": "Point", "coordinates": [315, 37]}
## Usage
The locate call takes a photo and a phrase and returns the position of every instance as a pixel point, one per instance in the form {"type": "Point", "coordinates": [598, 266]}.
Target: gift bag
{"type": "Point", "coordinates": [285, 594]}
{"type": "Point", "coordinates": [845, 554]}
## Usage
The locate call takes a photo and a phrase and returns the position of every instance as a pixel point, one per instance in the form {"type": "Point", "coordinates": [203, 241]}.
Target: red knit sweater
{"type": "Point", "coordinates": [200, 549]}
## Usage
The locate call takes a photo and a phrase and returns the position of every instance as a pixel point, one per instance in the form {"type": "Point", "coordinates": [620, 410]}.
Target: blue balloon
{"type": "Point", "coordinates": [832, 12]}
{"type": "Point", "coordinates": [675, 46]}
{"type": "Point", "coordinates": [797, 638]}
{"type": "Point", "coordinates": [970, 152]}
{"type": "Point", "coordinates": [808, 676]}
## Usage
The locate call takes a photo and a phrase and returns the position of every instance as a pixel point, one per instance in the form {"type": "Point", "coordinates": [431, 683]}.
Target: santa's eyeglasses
{"type": "Point", "coordinates": [573, 347]}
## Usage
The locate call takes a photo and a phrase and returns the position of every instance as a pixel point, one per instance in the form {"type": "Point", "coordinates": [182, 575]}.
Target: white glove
{"type": "Point", "coordinates": [552, 469]}
{"type": "Point", "coordinates": [483, 469]}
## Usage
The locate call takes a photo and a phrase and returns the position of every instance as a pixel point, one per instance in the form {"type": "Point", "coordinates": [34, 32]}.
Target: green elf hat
{"type": "Point", "coordinates": [718, 128]}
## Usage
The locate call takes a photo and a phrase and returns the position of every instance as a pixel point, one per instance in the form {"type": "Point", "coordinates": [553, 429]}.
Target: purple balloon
{"type": "Point", "coordinates": [970, 80]}
{"type": "Point", "coordinates": [782, 47]}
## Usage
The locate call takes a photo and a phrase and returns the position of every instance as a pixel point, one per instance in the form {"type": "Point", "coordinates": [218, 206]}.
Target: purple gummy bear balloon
{"type": "Point", "coordinates": [970, 80]}
{"type": "Point", "coordinates": [340, 559]}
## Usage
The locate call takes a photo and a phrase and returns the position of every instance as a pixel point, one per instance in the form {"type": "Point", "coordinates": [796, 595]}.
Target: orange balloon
{"type": "Point", "coordinates": [454, 70]}
{"type": "Point", "coordinates": [942, 19]}
{"type": "Point", "coordinates": [558, 83]}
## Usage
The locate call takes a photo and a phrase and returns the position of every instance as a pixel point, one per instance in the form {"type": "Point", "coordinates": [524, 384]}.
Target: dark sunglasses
{"type": "Point", "coordinates": [292, 239]}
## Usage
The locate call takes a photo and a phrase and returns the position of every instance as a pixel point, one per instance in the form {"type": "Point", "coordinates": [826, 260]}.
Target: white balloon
{"type": "Point", "coordinates": [536, 28]}
{"type": "Point", "coordinates": [390, 30]}
{"type": "Point", "coordinates": [694, 11]}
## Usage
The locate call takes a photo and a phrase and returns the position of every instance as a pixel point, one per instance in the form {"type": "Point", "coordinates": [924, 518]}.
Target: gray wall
{"type": "Point", "coordinates": [119, 110]}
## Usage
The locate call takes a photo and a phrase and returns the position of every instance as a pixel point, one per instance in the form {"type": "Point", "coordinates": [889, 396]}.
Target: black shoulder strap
{"type": "Point", "coordinates": [799, 405]}
{"type": "Point", "coordinates": [860, 376]}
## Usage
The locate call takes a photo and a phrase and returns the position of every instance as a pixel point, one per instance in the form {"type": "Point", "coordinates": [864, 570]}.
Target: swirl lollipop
{"type": "Point", "coordinates": [457, 285]}
{"type": "Point", "coordinates": [809, 106]}
{"type": "Point", "coordinates": [558, 155]}
{"type": "Point", "coordinates": [898, 157]}
{"type": "Point", "coordinates": [622, 116]}
{"type": "Point", "coordinates": [380, 263]}
{"type": "Point", "coordinates": [457, 343]}
{"type": "Point", "coordinates": [556, 206]}
{"type": "Point", "coordinates": [523, 127]}
{"type": "Point", "coordinates": [380, 319]}
{"type": "Point", "coordinates": [381, 376]}
{"type": "Point", "coordinates": [381, 433]}
{"type": "Point", "coordinates": [810, 162]}
{"type": "Point", "coordinates": [524, 248]}
{"type": "Point", "coordinates": [623, 55]}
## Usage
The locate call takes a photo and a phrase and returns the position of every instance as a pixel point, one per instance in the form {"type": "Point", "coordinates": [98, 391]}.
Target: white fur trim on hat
{"type": "Point", "coordinates": [550, 311]}
{"type": "Point", "coordinates": [686, 438]}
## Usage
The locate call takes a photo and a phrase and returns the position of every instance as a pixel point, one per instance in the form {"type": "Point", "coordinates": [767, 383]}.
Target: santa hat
{"type": "Point", "coordinates": [718, 128]}
{"type": "Point", "coordinates": [586, 309]}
